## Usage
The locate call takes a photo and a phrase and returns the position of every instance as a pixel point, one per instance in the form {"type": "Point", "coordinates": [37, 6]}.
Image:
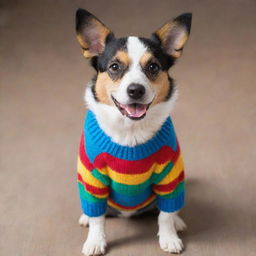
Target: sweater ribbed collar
{"type": "Point", "coordinates": [96, 138]}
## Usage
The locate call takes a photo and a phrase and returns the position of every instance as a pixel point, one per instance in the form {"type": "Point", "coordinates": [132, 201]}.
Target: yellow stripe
{"type": "Point", "coordinates": [110, 203]}
{"type": "Point", "coordinates": [103, 171]}
{"type": "Point", "coordinates": [129, 179]}
{"type": "Point", "coordinates": [132, 179]}
{"type": "Point", "coordinates": [159, 167]}
{"type": "Point", "coordinates": [161, 193]}
{"type": "Point", "coordinates": [87, 176]}
{"type": "Point", "coordinates": [174, 173]}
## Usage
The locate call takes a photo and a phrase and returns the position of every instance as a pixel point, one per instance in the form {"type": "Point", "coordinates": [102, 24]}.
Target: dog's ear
{"type": "Point", "coordinates": [174, 34]}
{"type": "Point", "coordinates": [91, 33]}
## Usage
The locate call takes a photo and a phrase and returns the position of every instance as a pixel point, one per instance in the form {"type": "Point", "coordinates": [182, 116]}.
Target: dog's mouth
{"type": "Point", "coordinates": [134, 111]}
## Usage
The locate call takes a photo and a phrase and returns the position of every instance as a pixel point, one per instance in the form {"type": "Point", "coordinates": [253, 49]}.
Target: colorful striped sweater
{"type": "Point", "coordinates": [129, 178]}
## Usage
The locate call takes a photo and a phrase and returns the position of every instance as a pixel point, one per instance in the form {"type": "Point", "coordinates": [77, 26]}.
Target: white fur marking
{"type": "Point", "coordinates": [125, 131]}
{"type": "Point", "coordinates": [95, 243]}
{"type": "Point", "coordinates": [136, 49]}
{"type": "Point", "coordinates": [83, 220]}
{"type": "Point", "coordinates": [168, 238]}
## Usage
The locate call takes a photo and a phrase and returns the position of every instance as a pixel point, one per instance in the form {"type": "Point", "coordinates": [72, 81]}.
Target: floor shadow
{"type": "Point", "coordinates": [207, 219]}
{"type": "Point", "coordinates": [145, 226]}
{"type": "Point", "coordinates": [199, 213]}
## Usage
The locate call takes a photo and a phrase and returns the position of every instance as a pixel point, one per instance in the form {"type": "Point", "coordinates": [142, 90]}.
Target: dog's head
{"type": "Point", "coordinates": [132, 72]}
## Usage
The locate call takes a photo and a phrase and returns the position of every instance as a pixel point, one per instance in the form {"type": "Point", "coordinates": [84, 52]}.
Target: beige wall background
{"type": "Point", "coordinates": [42, 79]}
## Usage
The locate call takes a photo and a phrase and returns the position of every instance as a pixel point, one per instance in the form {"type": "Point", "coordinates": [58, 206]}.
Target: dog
{"type": "Point", "coordinates": [129, 158]}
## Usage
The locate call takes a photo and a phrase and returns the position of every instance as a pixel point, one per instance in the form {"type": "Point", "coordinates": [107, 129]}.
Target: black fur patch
{"type": "Point", "coordinates": [112, 46]}
{"type": "Point", "coordinates": [101, 62]}
{"type": "Point", "coordinates": [94, 62]}
{"type": "Point", "coordinates": [93, 88]}
{"type": "Point", "coordinates": [154, 46]}
{"type": "Point", "coordinates": [120, 73]}
{"type": "Point", "coordinates": [185, 19]}
{"type": "Point", "coordinates": [82, 17]}
{"type": "Point", "coordinates": [171, 88]}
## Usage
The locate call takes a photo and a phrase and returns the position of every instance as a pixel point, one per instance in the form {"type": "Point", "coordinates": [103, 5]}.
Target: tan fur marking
{"type": "Point", "coordinates": [87, 54]}
{"type": "Point", "coordinates": [161, 87]}
{"type": "Point", "coordinates": [164, 30]}
{"type": "Point", "coordinates": [123, 57]}
{"type": "Point", "coordinates": [104, 87]}
{"type": "Point", "coordinates": [81, 41]}
{"type": "Point", "coordinates": [145, 58]}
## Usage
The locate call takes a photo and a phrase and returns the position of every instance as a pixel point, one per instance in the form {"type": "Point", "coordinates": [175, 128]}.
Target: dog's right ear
{"type": "Point", "coordinates": [92, 34]}
{"type": "Point", "coordinates": [174, 34]}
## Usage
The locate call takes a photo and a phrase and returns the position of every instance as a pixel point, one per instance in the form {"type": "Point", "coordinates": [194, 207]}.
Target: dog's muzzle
{"type": "Point", "coordinates": [136, 91]}
{"type": "Point", "coordinates": [134, 111]}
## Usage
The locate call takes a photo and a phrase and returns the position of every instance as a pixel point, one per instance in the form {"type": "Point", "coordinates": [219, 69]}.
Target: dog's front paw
{"type": "Point", "coordinates": [179, 224]}
{"type": "Point", "coordinates": [95, 246]}
{"type": "Point", "coordinates": [83, 220]}
{"type": "Point", "coordinates": [170, 243]}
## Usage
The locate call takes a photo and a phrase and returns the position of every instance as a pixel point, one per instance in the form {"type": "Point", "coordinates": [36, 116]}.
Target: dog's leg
{"type": "Point", "coordinates": [168, 238]}
{"type": "Point", "coordinates": [95, 243]}
{"type": "Point", "coordinates": [179, 224]}
{"type": "Point", "coordinates": [83, 220]}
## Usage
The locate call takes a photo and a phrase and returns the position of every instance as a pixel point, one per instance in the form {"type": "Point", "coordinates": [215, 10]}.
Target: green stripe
{"type": "Point", "coordinates": [130, 189]}
{"type": "Point", "coordinates": [176, 192]}
{"type": "Point", "coordinates": [160, 176]}
{"type": "Point", "coordinates": [87, 196]}
{"type": "Point", "coordinates": [133, 189]}
{"type": "Point", "coordinates": [101, 177]}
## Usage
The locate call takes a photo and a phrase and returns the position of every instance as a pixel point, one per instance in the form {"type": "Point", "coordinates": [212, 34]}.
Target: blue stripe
{"type": "Point", "coordinates": [97, 141]}
{"type": "Point", "coordinates": [95, 209]}
{"type": "Point", "coordinates": [128, 200]}
{"type": "Point", "coordinates": [171, 204]}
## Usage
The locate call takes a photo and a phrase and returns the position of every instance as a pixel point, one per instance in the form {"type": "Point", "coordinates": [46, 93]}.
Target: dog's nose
{"type": "Point", "coordinates": [136, 91]}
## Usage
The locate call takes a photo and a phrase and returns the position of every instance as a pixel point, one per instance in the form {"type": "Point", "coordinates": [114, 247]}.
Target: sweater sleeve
{"type": "Point", "coordinates": [170, 190]}
{"type": "Point", "coordinates": [93, 187]}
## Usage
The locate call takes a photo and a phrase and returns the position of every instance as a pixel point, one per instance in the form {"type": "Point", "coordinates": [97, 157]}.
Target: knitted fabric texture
{"type": "Point", "coordinates": [129, 178]}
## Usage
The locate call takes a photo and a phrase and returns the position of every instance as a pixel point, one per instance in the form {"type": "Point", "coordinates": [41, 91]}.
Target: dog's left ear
{"type": "Point", "coordinates": [174, 34]}
{"type": "Point", "coordinates": [92, 34]}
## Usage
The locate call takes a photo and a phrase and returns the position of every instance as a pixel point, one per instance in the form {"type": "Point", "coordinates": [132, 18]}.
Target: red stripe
{"type": "Point", "coordinates": [84, 158]}
{"type": "Point", "coordinates": [170, 186]}
{"type": "Point", "coordinates": [177, 153]}
{"type": "Point", "coordinates": [138, 166]}
{"type": "Point", "coordinates": [92, 189]}
{"type": "Point", "coordinates": [131, 207]}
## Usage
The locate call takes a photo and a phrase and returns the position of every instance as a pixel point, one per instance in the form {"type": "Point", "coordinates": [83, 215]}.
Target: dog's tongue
{"type": "Point", "coordinates": [135, 110]}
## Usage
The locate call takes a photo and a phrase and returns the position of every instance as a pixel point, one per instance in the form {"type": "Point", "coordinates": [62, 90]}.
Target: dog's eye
{"type": "Point", "coordinates": [114, 68]}
{"type": "Point", "coordinates": [153, 68]}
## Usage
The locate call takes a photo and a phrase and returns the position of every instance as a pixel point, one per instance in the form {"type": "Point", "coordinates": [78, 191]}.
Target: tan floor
{"type": "Point", "coordinates": [42, 81]}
